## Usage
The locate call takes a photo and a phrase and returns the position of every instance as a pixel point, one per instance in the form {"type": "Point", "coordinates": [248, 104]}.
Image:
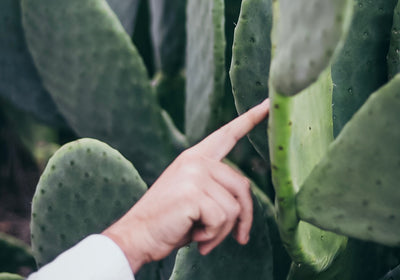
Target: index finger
{"type": "Point", "coordinates": [218, 144]}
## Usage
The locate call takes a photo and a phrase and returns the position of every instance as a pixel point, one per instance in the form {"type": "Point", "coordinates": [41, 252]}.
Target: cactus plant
{"type": "Point", "coordinates": [9, 276]}
{"type": "Point", "coordinates": [323, 64]}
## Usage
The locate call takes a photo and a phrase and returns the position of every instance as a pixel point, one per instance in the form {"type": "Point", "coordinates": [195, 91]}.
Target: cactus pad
{"type": "Point", "coordinates": [361, 67]}
{"type": "Point", "coordinates": [354, 189]}
{"type": "Point", "coordinates": [205, 66]}
{"type": "Point", "coordinates": [19, 80]}
{"type": "Point", "coordinates": [250, 64]}
{"type": "Point", "coordinates": [309, 33]}
{"type": "Point", "coordinates": [97, 78]}
{"type": "Point", "coordinates": [9, 276]}
{"type": "Point", "coordinates": [300, 130]}
{"type": "Point", "coordinates": [85, 187]}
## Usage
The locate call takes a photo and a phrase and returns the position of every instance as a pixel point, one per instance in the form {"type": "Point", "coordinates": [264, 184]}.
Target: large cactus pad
{"type": "Point", "coordinates": [250, 63]}
{"type": "Point", "coordinates": [85, 187]}
{"type": "Point", "coordinates": [309, 32]}
{"type": "Point", "coordinates": [97, 78]}
{"type": "Point", "coordinates": [354, 189]}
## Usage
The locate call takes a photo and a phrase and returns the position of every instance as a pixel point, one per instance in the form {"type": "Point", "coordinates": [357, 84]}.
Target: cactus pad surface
{"type": "Point", "coordinates": [354, 189]}
{"type": "Point", "coordinates": [360, 67]}
{"type": "Point", "coordinates": [19, 80]}
{"type": "Point", "coordinates": [250, 64]}
{"type": "Point", "coordinates": [97, 78]}
{"type": "Point", "coordinates": [85, 187]}
{"type": "Point", "coordinates": [300, 130]}
{"type": "Point", "coordinates": [10, 276]}
{"type": "Point", "coordinates": [205, 66]}
{"type": "Point", "coordinates": [309, 34]}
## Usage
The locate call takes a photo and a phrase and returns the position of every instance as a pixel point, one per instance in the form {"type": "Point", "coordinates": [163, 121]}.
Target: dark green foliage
{"type": "Point", "coordinates": [393, 274]}
{"type": "Point", "coordinates": [126, 11]}
{"type": "Point", "coordinates": [19, 80]}
{"type": "Point", "coordinates": [14, 254]}
{"type": "Point", "coordinates": [170, 91]}
{"type": "Point", "coordinates": [168, 19]}
{"type": "Point", "coordinates": [360, 67]}
{"type": "Point", "coordinates": [393, 56]}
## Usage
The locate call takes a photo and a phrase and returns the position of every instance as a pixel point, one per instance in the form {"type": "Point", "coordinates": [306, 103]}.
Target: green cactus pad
{"type": "Point", "coordinates": [300, 130]}
{"type": "Point", "coordinates": [309, 33]}
{"type": "Point", "coordinates": [9, 276]}
{"type": "Point", "coordinates": [231, 260]}
{"type": "Point", "coordinates": [97, 78]}
{"type": "Point", "coordinates": [126, 11]}
{"type": "Point", "coordinates": [85, 187]}
{"type": "Point", "coordinates": [361, 67]}
{"type": "Point", "coordinates": [205, 66]}
{"type": "Point", "coordinates": [360, 174]}
{"type": "Point", "coordinates": [19, 80]}
{"type": "Point", "coordinates": [14, 254]}
{"type": "Point", "coordinates": [168, 18]}
{"type": "Point", "coordinates": [250, 64]}
{"type": "Point", "coordinates": [393, 57]}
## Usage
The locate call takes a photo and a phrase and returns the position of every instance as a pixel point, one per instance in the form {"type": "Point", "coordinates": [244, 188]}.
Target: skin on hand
{"type": "Point", "coordinates": [197, 198]}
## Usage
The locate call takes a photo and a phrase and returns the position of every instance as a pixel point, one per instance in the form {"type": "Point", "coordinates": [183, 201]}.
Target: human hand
{"type": "Point", "coordinates": [197, 198]}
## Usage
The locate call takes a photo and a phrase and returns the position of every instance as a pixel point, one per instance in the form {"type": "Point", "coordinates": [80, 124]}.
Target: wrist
{"type": "Point", "coordinates": [128, 238]}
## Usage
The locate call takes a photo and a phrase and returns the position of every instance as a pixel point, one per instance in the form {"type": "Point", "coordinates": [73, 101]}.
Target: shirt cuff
{"type": "Point", "coordinates": [95, 257]}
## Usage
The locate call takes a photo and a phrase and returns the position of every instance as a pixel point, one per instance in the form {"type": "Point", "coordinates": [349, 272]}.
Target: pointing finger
{"type": "Point", "coordinates": [218, 144]}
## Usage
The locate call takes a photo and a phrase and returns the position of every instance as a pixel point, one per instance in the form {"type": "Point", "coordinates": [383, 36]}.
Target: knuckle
{"type": "Point", "coordinates": [220, 219]}
{"type": "Point", "coordinates": [236, 210]}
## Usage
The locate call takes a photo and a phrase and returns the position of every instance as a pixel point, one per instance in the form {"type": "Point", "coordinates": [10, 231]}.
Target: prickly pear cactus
{"type": "Point", "coordinates": [298, 140]}
{"type": "Point", "coordinates": [361, 66]}
{"type": "Point", "coordinates": [18, 75]}
{"type": "Point", "coordinates": [10, 276]}
{"type": "Point", "coordinates": [353, 190]}
{"type": "Point", "coordinates": [85, 187]}
{"type": "Point", "coordinates": [308, 36]}
{"type": "Point", "coordinates": [251, 57]}
{"type": "Point", "coordinates": [205, 66]}
{"type": "Point", "coordinates": [84, 56]}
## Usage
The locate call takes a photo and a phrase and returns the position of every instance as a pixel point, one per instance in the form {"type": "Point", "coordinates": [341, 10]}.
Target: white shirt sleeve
{"type": "Point", "coordinates": [95, 257]}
